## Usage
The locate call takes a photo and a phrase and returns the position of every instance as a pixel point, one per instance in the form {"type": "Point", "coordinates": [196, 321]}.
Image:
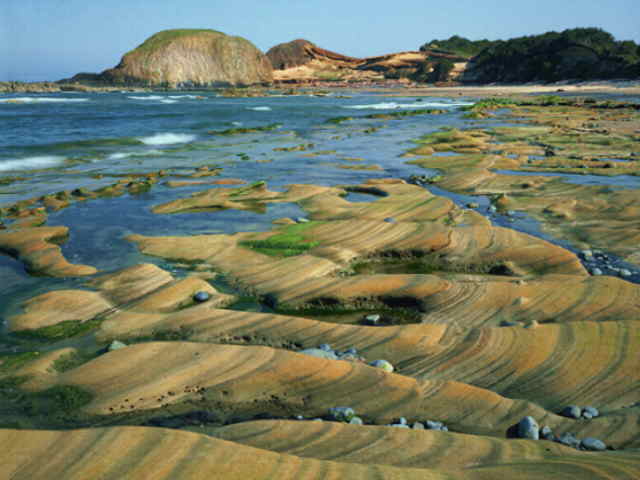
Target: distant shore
{"type": "Point", "coordinates": [625, 87]}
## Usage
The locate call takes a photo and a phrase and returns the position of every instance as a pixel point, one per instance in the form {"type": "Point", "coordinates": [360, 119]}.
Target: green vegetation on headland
{"type": "Point", "coordinates": [166, 36]}
{"type": "Point", "coordinates": [579, 53]}
{"type": "Point", "coordinates": [457, 45]}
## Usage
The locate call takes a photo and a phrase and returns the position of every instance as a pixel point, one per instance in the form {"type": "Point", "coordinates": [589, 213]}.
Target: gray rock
{"type": "Point", "coordinates": [569, 440]}
{"type": "Point", "coordinates": [444, 428]}
{"type": "Point", "coordinates": [417, 426]}
{"type": "Point", "coordinates": [372, 319]}
{"type": "Point", "coordinates": [302, 220]}
{"type": "Point", "coordinates": [351, 351]}
{"type": "Point", "coordinates": [431, 425]}
{"type": "Point", "coordinates": [356, 421]}
{"type": "Point", "coordinates": [593, 444]}
{"type": "Point", "coordinates": [390, 220]}
{"type": "Point", "coordinates": [399, 425]}
{"type": "Point", "coordinates": [326, 347]}
{"type": "Point", "coordinates": [546, 433]}
{"type": "Point", "coordinates": [596, 271]}
{"type": "Point", "coordinates": [316, 352]}
{"type": "Point", "coordinates": [383, 365]}
{"type": "Point", "coordinates": [402, 421]}
{"type": "Point", "coordinates": [201, 297]}
{"type": "Point", "coordinates": [587, 415]}
{"type": "Point", "coordinates": [116, 345]}
{"type": "Point", "coordinates": [508, 323]}
{"type": "Point", "coordinates": [587, 254]}
{"type": "Point", "coordinates": [593, 411]}
{"type": "Point", "coordinates": [571, 411]}
{"type": "Point", "coordinates": [299, 417]}
{"type": "Point", "coordinates": [529, 428]}
{"type": "Point", "coordinates": [493, 209]}
{"type": "Point", "coordinates": [342, 414]}
{"type": "Point", "coordinates": [625, 273]}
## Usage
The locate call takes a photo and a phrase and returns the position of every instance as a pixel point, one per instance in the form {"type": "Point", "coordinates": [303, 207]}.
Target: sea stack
{"type": "Point", "coordinates": [192, 58]}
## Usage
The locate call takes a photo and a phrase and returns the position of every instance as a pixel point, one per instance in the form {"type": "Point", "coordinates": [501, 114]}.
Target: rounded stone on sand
{"type": "Point", "coordinates": [201, 297]}
{"type": "Point", "coordinates": [528, 428]}
{"type": "Point", "coordinates": [383, 365]}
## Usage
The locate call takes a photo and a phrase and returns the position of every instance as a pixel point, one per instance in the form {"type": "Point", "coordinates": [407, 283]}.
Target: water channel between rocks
{"type": "Point", "coordinates": [303, 148]}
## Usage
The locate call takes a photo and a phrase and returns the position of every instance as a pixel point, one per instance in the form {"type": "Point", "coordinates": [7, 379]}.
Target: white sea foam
{"type": "Point", "coordinates": [177, 97]}
{"type": "Point", "coordinates": [259, 109]}
{"type": "Point", "coordinates": [30, 163]}
{"type": "Point", "coordinates": [42, 100]}
{"type": "Point", "coordinates": [121, 155]}
{"type": "Point", "coordinates": [397, 106]}
{"type": "Point", "coordinates": [167, 138]}
{"type": "Point", "coordinates": [236, 124]}
{"type": "Point", "coordinates": [166, 100]}
{"type": "Point", "coordinates": [149, 97]}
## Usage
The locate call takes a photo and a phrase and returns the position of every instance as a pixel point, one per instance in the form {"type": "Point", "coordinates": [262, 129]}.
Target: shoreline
{"type": "Point", "coordinates": [624, 87]}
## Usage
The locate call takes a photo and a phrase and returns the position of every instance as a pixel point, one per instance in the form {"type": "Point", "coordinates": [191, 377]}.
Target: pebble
{"type": "Point", "coordinates": [417, 426]}
{"type": "Point", "coordinates": [317, 352]}
{"type": "Point", "coordinates": [116, 345]}
{"type": "Point", "coordinates": [326, 347]}
{"type": "Point", "coordinates": [431, 425]}
{"type": "Point", "coordinates": [382, 364]}
{"type": "Point", "coordinates": [596, 271]}
{"type": "Point", "coordinates": [302, 220]}
{"type": "Point", "coordinates": [372, 319]}
{"type": "Point", "coordinates": [593, 444]}
{"type": "Point", "coordinates": [571, 411]}
{"type": "Point", "coordinates": [342, 414]}
{"type": "Point", "coordinates": [201, 297]}
{"type": "Point", "coordinates": [546, 433]}
{"type": "Point", "coordinates": [593, 411]}
{"type": "Point", "coordinates": [356, 421]}
{"type": "Point", "coordinates": [528, 428]}
{"type": "Point", "coordinates": [390, 220]}
{"type": "Point", "coordinates": [569, 440]}
{"type": "Point", "coordinates": [625, 273]}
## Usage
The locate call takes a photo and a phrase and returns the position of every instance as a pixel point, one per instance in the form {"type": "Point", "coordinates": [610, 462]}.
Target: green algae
{"type": "Point", "coordinates": [288, 242]}
{"type": "Point", "coordinates": [64, 329]}
{"type": "Point", "coordinates": [244, 130]}
{"type": "Point", "coordinates": [17, 360]}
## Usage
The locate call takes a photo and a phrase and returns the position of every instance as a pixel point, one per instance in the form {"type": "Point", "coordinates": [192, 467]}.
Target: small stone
{"type": "Point", "coordinates": [587, 254]}
{"type": "Point", "coordinates": [569, 440]}
{"type": "Point", "coordinates": [528, 428]}
{"type": "Point", "coordinates": [532, 324]}
{"type": "Point", "coordinates": [316, 352]}
{"type": "Point", "coordinates": [390, 220]}
{"type": "Point", "coordinates": [351, 351]}
{"type": "Point", "coordinates": [625, 273]}
{"type": "Point", "coordinates": [587, 415]}
{"type": "Point", "coordinates": [356, 421]}
{"type": "Point", "coordinates": [546, 432]}
{"type": "Point", "coordinates": [473, 205]}
{"type": "Point", "coordinates": [571, 411]}
{"type": "Point", "coordinates": [116, 345]}
{"type": "Point", "coordinates": [342, 414]}
{"type": "Point", "coordinates": [596, 271]}
{"type": "Point", "coordinates": [402, 421]}
{"type": "Point", "coordinates": [302, 220]}
{"type": "Point", "coordinates": [399, 425]}
{"type": "Point", "coordinates": [372, 319]}
{"type": "Point", "coordinates": [593, 444]}
{"type": "Point", "coordinates": [417, 426]}
{"type": "Point", "coordinates": [493, 209]}
{"type": "Point", "coordinates": [593, 411]}
{"type": "Point", "coordinates": [382, 364]}
{"type": "Point", "coordinates": [201, 297]}
{"type": "Point", "coordinates": [431, 425]}
{"type": "Point", "coordinates": [299, 417]}
{"type": "Point", "coordinates": [444, 428]}
{"type": "Point", "coordinates": [326, 347]}
{"type": "Point", "coordinates": [508, 323]}
{"type": "Point", "coordinates": [317, 420]}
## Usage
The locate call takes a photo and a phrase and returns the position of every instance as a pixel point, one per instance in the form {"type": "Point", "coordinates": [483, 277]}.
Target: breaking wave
{"type": "Point", "coordinates": [167, 138]}
{"type": "Point", "coordinates": [397, 106]}
{"type": "Point", "coordinates": [31, 163]}
{"type": "Point", "coordinates": [42, 100]}
{"type": "Point", "coordinates": [259, 109]}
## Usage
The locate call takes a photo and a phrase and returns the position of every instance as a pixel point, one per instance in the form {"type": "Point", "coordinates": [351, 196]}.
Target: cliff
{"type": "Point", "coordinates": [191, 58]}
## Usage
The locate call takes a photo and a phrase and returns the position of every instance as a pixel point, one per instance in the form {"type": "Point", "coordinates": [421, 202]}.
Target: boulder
{"type": "Point", "coordinates": [571, 411]}
{"type": "Point", "coordinates": [593, 444]}
{"type": "Point", "coordinates": [528, 428]}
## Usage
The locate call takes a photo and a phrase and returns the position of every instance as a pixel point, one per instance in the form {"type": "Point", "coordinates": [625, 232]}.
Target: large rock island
{"type": "Point", "coordinates": [190, 57]}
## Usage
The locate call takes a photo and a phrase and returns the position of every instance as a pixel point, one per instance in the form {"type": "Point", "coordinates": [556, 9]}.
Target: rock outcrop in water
{"type": "Point", "coordinates": [191, 57]}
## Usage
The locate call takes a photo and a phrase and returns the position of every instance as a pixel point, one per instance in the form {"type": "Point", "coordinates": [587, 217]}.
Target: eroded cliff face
{"type": "Point", "coordinates": [192, 58]}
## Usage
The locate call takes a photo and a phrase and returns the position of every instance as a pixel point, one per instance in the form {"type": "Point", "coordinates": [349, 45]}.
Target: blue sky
{"type": "Point", "coordinates": [53, 39]}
